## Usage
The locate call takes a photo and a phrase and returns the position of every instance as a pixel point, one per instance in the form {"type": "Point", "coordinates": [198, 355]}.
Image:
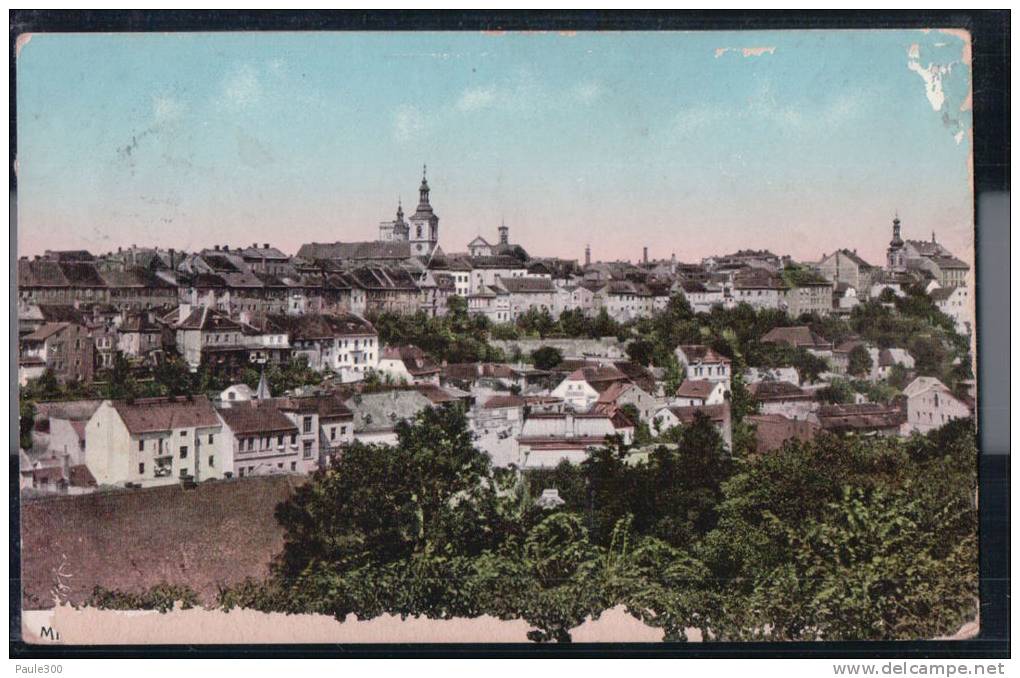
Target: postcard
{"type": "Point", "coordinates": [496, 337]}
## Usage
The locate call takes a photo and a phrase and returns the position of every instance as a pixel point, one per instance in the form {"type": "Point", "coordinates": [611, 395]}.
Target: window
{"type": "Point", "coordinates": [240, 472]}
{"type": "Point", "coordinates": [293, 438]}
{"type": "Point", "coordinates": [212, 460]}
{"type": "Point", "coordinates": [307, 425]}
{"type": "Point", "coordinates": [184, 433]}
{"type": "Point", "coordinates": [279, 440]}
{"type": "Point", "coordinates": [141, 469]}
{"type": "Point", "coordinates": [332, 433]}
{"type": "Point", "coordinates": [141, 445]}
{"type": "Point", "coordinates": [184, 451]}
{"type": "Point", "coordinates": [293, 466]}
{"type": "Point", "coordinates": [211, 438]}
{"type": "Point", "coordinates": [343, 430]}
{"type": "Point", "coordinates": [307, 449]}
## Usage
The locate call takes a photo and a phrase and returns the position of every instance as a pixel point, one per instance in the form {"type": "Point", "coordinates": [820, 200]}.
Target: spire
{"type": "Point", "coordinates": [896, 241]}
{"type": "Point", "coordinates": [587, 255]}
{"type": "Point", "coordinates": [262, 392]}
{"type": "Point", "coordinates": [423, 190]}
{"type": "Point", "coordinates": [933, 237]}
{"type": "Point", "coordinates": [504, 233]}
{"type": "Point", "coordinates": [400, 209]}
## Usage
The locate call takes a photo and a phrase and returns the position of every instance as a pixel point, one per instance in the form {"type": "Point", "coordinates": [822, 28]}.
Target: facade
{"type": "Point", "coordinates": [408, 365]}
{"type": "Point", "coordinates": [702, 363]}
{"type": "Point", "coordinates": [759, 288]}
{"type": "Point", "coordinates": [346, 344]}
{"type": "Point", "coordinates": [808, 296]}
{"type": "Point", "coordinates": [930, 404]}
{"type": "Point", "coordinates": [263, 440]}
{"type": "Point", "coordinates": [156, 441]}
{"type": "Point", "coordinates": [548, 439]}
{"type": "Point", "coordinates": [845, 266]}
{"type": "Point", "coordinates": [697, 393]}
{"type": "Point", "coordinates": [954, 302]}
{"type": "Point", "coordinates": [65, 348]}
{"type": "Point", "coordinates": [527, 293]}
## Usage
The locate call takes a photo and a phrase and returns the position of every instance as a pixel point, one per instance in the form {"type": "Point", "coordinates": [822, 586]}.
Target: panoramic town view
{"type": "Point", "coordinates": [729, 428]}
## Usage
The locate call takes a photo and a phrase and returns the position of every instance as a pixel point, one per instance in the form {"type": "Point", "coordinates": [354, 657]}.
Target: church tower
{"type": "Point", "coordinates": [895, 259]}
{"type": "Point", "coordinates": [504, 234]}
{"type": "Point", "coordinates": [424, 226]}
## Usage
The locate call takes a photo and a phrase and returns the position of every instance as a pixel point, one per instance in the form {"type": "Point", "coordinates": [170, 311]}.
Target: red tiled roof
{"type": "Point", "coordinates": [717, 413]}
{"type": "Point", "coordinates": [778, 390]}
{"type": "Point", "coordinates": [502, 401]}
{"type": "Point", "coordinates": [863, 416]}
{"type": "Point", "coordinates": [795, 336]}
{"type": "Point", "coordinates": [705, 355]}
{"type": "Point", "coordinates": [255, 416]}
{"type": "Point", "coordinates": [696, 388]}
{"type": "Point", "coordinates": [146, 415]}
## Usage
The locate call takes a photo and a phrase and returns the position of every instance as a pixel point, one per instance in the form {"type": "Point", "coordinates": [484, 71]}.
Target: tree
{"type": "Point", "coordinates": [377, 505]}
{"type": "Point", "coordinates": [546, 357]}
{"type": "Point", "coordinates": [859, 361]}
{"type": "Point", "coordinates": [26, 420]}
{"type": "Point", "coordinates": [641, 351]}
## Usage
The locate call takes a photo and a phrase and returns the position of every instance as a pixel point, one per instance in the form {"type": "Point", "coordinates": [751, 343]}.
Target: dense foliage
{"type": "Point", "coordinates": [841, 538]}
{"type": "Point", "coordinates": [456, 337]}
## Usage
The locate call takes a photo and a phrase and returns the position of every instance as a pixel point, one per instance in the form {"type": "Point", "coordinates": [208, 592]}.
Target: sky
{"type": "Point", "coordinates": [688, 143]}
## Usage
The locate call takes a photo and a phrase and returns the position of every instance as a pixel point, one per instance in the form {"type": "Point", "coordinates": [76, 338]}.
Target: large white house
{"type": "Point", "coordinates": [930, 404]}
{"type": "Point", "coordinates": [156, 441]}
{"type": "Point", "coordinates": [702, 363]}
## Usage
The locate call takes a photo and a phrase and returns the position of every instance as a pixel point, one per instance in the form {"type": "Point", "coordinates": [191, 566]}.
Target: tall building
{"type": "Point", "coordinates": [421, 230]}
{"type": "Point", "coordinates": [895, 259]}
{"type": "Point", "coordinates": [424, 234]}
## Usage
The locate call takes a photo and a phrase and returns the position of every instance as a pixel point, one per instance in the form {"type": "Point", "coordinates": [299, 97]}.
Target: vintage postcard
{"type": "Point", "coordinates": [496, 337]}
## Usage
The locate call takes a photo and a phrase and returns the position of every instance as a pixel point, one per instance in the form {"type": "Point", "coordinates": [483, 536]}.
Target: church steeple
{"type": "Point", "coordinates": [894, 257]}
{"type": "Point", "coordinates": [504, 233]}
{"type": "Point", "coordinates": [423, 190]}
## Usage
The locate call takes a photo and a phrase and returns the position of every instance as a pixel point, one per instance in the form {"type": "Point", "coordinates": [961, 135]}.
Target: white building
{"type": "Point", "coordinates": [702, 363]}
{"type": "Point", "coordinates": [699, 392]}
{"type": "Point", "coordinates": [156, 441]}
{"type": "Point", "coordinates": [954, 302]}
{"type": "Point", "coordinates": [930, 404]}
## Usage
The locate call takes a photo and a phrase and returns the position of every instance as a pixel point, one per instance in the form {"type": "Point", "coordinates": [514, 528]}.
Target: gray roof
{"type": "Point", "coordinates": [380, 412]}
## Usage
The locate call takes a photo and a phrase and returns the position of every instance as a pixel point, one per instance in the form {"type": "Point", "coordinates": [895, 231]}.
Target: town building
{"type": "Point", "coordinates": [699, 392]}
{"type": "Point", "coordinates": [672, 416]}
{"type": "Point", "coordinates": [955, 303]}
{"type": "Point", "coordinates": [702, 363]}
{"type": "Point", "coordinates": [64, 348]}
{"type": "Point", "coordinates": [408, 365]}
{"type": "Point", "coordinates": [930, 405]}
{"type": "Point", "coordinates": [156, 441]}
{"type": "Point", "coordinates": [548, 439]}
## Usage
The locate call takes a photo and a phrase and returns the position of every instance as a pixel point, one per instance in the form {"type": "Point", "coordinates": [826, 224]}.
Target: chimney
{"type": "Point", "coordinates": [265, 246]}
{"type": "Point", "coordinates": [216, 247]}
{"type": "Point", "coordinates": [587, 255]}
{"type": "Point", "coordinates": [645, 254]}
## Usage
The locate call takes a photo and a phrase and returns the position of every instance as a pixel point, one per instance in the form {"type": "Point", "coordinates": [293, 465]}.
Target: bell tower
{"type": "Point", "coordinates": [424, 223]}
{"type": "Point", "coordinates": [894, 257]}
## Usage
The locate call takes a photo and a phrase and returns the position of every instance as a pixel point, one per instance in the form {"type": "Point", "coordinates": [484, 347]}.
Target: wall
{"type": "Point", "coordinates": [216, 533]}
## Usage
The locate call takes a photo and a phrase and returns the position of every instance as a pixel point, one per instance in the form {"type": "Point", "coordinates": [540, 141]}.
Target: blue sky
{"type": "Point", "coordinates": [693, 143]}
